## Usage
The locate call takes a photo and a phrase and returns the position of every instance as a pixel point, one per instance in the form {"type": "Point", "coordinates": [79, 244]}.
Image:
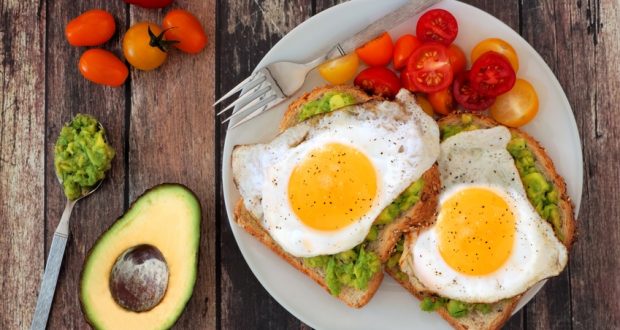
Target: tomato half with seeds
{"type": "Point", "coordinates": [466, 96]}
{"type": "Point", "coordinates": [437, 25]}
{"type": "Point", "coordinates": [184, 27]}
{"type": "Point", "coordinates": [378, 81]}
{"type": "Point", "coordinates": [377, 52]}
{"type": "Point", "coordinates": [517, 107]}
{"type": "Point", "coordinates": [103, 67]}
{"type": "Point", "coordinates": [340, 70]}
{"type": "Point", "coordinates": [403, 48]}
{"type": "Point", "coordinates": [430, 69]}
{"type": "Point", "coordinates": [492, 74]}
{"type": "Point", "coordinates": [91, 28]}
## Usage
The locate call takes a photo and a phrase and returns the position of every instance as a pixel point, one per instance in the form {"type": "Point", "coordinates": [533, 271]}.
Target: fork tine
{"type": "Point", "coordinates": [253, 106]}
{"type": "Point", "coordinates": [239, 87]}
{"type": "Point", "coordinates": [246, 98]}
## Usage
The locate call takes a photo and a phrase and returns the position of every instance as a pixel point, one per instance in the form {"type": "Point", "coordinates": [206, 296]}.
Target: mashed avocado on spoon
{"type": "Point", "coordinates": [81, 155]}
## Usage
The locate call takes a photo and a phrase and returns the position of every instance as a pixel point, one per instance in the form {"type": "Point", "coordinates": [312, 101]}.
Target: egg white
{"type": "Point", "coordinates": [398, 138]}
{"type": "Point", "coordinates": [479, 158]}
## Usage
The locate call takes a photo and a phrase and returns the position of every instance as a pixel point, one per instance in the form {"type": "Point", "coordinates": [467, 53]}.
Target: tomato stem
{"type": "Point", "coordinates": [159, 41]}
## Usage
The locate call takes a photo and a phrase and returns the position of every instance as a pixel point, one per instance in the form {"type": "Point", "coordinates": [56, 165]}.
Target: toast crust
{"type": "Point", "coordinates": [502, 310]}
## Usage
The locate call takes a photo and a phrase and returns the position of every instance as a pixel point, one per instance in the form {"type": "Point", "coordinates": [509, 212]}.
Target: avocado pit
{"type": "Point", "coordinates": [139, 278]}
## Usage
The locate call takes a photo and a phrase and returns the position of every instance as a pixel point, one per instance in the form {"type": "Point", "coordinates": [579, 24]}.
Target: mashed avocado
{"type": "Point", "coordinates": [328, 102]}
{"type": "Point", "coordinates": [81, 155]}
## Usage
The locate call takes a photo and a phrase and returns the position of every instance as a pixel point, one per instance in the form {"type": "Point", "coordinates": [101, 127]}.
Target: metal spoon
{"type": "Point", "coordinates": [54, 260]}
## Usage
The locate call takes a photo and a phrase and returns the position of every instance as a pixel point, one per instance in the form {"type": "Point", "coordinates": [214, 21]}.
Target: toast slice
{"type": "Point", "coordinates": [565, 229]}
{"type": "Point", "coordinates": [387, 235]}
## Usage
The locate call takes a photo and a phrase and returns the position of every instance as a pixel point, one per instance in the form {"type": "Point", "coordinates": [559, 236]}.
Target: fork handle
{"type": "Point", "coordinates": [394, 18]}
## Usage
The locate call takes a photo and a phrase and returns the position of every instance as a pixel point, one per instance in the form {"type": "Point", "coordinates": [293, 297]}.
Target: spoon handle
{"type": "Point", "coordinates": [52, 268]}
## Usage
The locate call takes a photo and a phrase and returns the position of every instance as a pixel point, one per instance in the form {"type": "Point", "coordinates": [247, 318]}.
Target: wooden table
{"type": "Point", "coordinates": [163, 129]}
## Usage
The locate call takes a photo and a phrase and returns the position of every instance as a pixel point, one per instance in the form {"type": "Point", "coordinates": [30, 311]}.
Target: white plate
{"type": "Point", "coordinates": [392, 307]}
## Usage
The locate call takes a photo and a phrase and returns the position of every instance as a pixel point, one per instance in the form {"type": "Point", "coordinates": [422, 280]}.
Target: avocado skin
{"type": "Point", "coordinates": [149, 191]}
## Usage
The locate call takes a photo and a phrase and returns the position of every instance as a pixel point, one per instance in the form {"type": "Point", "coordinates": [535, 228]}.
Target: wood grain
{"type": "Point", "coordinates": [68, 93]}
{"type": "Point", "coordinates": [22, 120]}
{"type": "Point", "coordinates": [171, 139]}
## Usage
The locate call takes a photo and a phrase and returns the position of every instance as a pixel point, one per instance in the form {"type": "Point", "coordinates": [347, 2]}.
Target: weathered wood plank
{"type": "Point", "coordinates": [245, 34]}
{"type": "Point", "coordinates": [171, 139]}
{"type": "Point", "coordinates": [68, 93]}
{"type": "Point", "coordinates": [22, 133]}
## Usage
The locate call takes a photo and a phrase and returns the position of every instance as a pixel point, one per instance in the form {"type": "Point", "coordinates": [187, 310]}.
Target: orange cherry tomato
{"type": "Point", "coordinates": [442, 101]}
{"type": "Point", "coordinates": [103, 67]}
{"type": "Point", "coordinates": [184, 27]}
{"type": "Point", "coordinates": [458, 62]}
{"type": "Point", "coordinates": [499, 46]}
{"type": "Point", "coordinates": [425, 104]}
{"type": "Point", "coordinates": [377, 52]}
{"type": "Point", "coordinates": [517, 107]}
{"type": "Point", "coordinates": [91, 28]}
{"type": "Point", "coordinates": [144, 50]}
{"type": "Point", "coordinates": [403, 48]}
{"type": "Point", "coordinates": [340, 70]}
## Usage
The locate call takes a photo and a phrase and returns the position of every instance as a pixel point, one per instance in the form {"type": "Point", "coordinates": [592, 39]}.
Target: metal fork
{"type": "Point", "coordinates": [272, 84]}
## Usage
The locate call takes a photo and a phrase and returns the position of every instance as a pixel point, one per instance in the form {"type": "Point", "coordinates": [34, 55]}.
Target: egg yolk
{"type": "Point", "coordinates": [333, 187]}
{"type": "Point", "coordinates": [476, 229]}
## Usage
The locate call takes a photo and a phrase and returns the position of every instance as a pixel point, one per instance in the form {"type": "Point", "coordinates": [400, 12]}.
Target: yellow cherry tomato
{"type": "Point", "coordinates": [144, 50]}
{"type": "Point", "coordinates": [499, 46]}
{"type": "Point", "coordinates": [340, 70]}
{"type": "Point", "coordinates": [517, 107]}
{"type": "Point", "coordinates": [425, 104]}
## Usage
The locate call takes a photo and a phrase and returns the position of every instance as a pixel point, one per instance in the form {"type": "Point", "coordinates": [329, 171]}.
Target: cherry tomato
{"type": "Point", "coordinates": [458, 62]}
{"type": "Point", "coordinates": [184, 27]}
{"type": "Point", "coordinates": [442, 101]}
{"type": "Point", "coordinates": [499, 46]}
{"type": "Point", "coordinates": [430, 69]}
{"type": "Point", "coordinates": [403, 48]}
{"type": "Point", "coordinates": [406, 81]}
{"type": "Point", "coordinates": [377, 52]}
{"type": "Point", "coordinates": [340, 70]}
{"type": "Point", "coordinates": [517, 107]}
{"type": "Point", "coordinates": [150, 3]}
{"type": "Point", "coordinates": [467, 97]}
{"type": "Point", "coordinates": [425, 104]}
{"type": "Point", "coordinates": [492, 74]}
{"type": "Point", "coordinates": [91, 28]}
{"type": "Point", "coordinates": [437, 25]}
{"type": "Point", "coordinates": [378, 81]}
{"type": "Point", "coordinates": [103, 67]}
{"type": "Point", "coordinates": [144, 50]}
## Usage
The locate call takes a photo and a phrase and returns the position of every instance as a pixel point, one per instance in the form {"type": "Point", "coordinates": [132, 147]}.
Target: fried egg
{"type": "Point", "coordinates": [488, 242]}
{"type": "Point", "coordinates": [318, 186]}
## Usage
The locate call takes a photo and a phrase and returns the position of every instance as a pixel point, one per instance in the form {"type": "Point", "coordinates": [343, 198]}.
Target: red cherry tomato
{"type": "Point", "coordinates": [377, 52]}
{"type": "Point", "coordinates": [150, 3]}
{"type": "Point", "coordinates": [437, 25]}
{"type": "Point", "coordinates": [103, 67]}
{"type": "Point", "coordinates": [492, 74]}
{"type": "Point", "coordinates": [378, 81]}
{"type": "Point", "coordinates": [406, 81]}
{"type": "Point", "coordinates": [403, 48]}
{"type": "Point", "coordinates": [91, 28]}
{"type": "Point", "coordinates": [442, 101]}
{"type": "Point", "coordinates": [185, 28]}
{"type": "Point", "coordinates": [468, 97]}
{"type": "Point", "coordinates": [429, 67]}
{"type": "Point", "coordinates": [457, 59]}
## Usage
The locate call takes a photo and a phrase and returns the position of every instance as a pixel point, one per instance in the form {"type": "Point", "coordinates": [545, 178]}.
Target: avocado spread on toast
{"type": "Point", "coordinates": [326, 103]}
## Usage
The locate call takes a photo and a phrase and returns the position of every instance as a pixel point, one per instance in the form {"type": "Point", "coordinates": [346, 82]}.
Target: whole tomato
{"type": "Point", "coordinates": [150, 3]}
{"type": "Point", "coordinates": [103, 67]}
{"type": "Point", "coordinates": [182, 26]}
{"type": "Point", "coordinates": [91, 28]}
{"type": "Point", "coordinates": [144, 46]}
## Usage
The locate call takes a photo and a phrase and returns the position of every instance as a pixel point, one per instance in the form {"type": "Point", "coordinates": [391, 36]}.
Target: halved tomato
{"type": "Point", "coordinates": [403, 48]}
{"type": "Point", "coordinates": [517, 107]}
{"type": "Point", "coordinates": [437, 25]}
{"type": "Point", "coordinates": [467, 97]}
{"type": "Point", "coordinates": [442, 101]}
{"type": "Point", "coordinates": [457, 59]}
{"type": "Point", "coordinates": [429, 67]}
{"type": "Point", "coordinates": [499, 46]}
{"type": "Point", "coordinates": [492, 74]}
{"type": "Point", "coordinates": [378, 81]}
{"type": "Point", "coordinates": [340, 70]}
{"type": "Point", "coordinates": [377, 52]}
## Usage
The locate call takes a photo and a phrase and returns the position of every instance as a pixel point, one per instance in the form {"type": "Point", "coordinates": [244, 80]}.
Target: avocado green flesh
{"type": "Point", "coordinates": [328, 102]}
{"type": "Point", "coordinates": [162, 217]}
{"type": "Point", "coordinates": [81, 155]}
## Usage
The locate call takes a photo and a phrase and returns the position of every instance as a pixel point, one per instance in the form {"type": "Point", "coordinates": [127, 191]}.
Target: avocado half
{"type": "Point", "coordinates": [167, 217]}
